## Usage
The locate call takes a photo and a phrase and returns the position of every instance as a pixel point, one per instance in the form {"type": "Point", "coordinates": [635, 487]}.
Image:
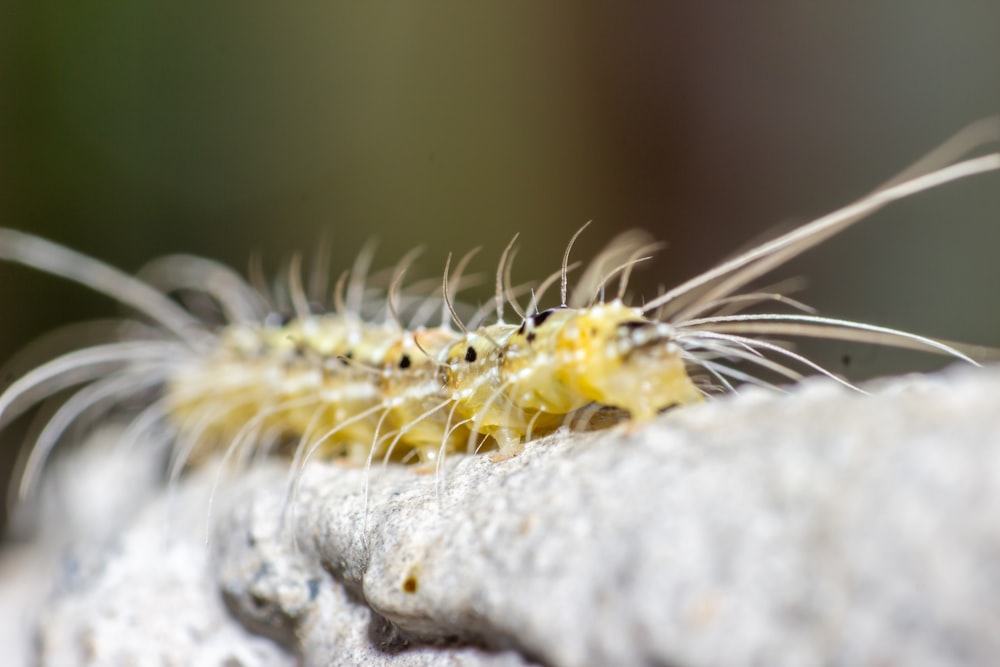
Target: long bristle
{"type": "Point", "coordinates": [280, 370]}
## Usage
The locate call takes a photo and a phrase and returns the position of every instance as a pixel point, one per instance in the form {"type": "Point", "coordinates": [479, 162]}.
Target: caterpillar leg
{"type": "Point", "coordinates": [511, 444]}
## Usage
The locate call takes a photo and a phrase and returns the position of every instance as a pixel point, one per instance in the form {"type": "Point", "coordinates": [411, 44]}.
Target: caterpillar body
{"type": "Point", "coordinates": [372, 377]}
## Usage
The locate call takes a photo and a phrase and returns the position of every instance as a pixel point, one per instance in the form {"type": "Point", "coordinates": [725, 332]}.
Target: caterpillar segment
{"type": "Point", "coordinates": [418, 400]}
{"type": "Point", "coordinates": [476, 387]}
{"type": "Point", "coordinates": [307, 376]}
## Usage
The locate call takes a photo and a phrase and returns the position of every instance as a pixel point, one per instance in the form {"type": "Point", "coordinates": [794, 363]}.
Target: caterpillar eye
{"type": "Point", "coordinates": [538, 319]}
{"type": "Point", "coordinates": [535, 321]}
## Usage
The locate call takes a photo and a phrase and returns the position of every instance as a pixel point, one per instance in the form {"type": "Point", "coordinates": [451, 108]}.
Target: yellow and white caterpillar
{"type": "Point", "coordinates": [373, 377]}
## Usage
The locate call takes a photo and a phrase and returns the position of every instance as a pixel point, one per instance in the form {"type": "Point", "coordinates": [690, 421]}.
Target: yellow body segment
{"type": "Point", "coordinates": [312, 377]}
{"type": "Point", "coordinates": [477, 388]}
{"type": "Point", "coordinates": [533, 363]}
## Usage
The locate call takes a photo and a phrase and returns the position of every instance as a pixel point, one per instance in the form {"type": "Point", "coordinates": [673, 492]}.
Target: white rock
{"type": "Point", "coordinates": [818, 528]}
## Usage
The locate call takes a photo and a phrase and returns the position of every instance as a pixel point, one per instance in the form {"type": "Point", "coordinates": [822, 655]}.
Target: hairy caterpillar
{"type": "Point", "coordinates": [375, 377]}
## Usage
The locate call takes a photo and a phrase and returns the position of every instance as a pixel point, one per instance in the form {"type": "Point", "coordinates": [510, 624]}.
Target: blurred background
{"type": "Point", "coordinates": [130, 130]}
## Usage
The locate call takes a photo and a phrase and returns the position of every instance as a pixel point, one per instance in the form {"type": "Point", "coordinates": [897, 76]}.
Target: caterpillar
{"type": "Point", "coordinates": [374, 376]}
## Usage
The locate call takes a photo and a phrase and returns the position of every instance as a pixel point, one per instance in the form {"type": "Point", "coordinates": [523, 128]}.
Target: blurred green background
{"type": "Point", "coordinates": [129, 130]}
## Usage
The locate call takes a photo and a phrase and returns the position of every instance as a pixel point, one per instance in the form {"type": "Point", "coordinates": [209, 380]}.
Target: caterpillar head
{"type": "Point", "coordinates": [613, 355]}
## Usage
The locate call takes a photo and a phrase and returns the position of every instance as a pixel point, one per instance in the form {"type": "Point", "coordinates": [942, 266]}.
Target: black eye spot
{"type": "Point", "coordinates": [538, 319]}
{"type": "Point", "coordinates": [404, 362]}
{"type": "Point", "coordinates": [530, 337]}
{"type": "Point", "coordinates": [635, 324]}
{"type": "Point", "coordinates": [349, 354]}
{"type": "Point", "coordinates": [470, 354]}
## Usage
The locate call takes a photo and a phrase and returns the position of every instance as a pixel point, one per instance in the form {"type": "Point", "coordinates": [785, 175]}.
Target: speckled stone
{"type": "Point", "coordinates": [821, 527]}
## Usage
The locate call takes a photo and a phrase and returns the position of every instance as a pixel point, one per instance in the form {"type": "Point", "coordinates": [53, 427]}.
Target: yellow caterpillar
{"type": "Point", "coordinates": [352, 384]}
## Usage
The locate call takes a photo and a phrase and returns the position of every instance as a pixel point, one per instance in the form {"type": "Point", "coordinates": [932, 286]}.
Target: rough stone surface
{"type": "Point", "coordinates": [818, 528]}
{"type": "Point", "coordinates": [146, 597]}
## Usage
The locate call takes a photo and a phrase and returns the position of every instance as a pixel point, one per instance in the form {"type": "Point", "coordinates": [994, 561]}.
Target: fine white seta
{"type": "Point", "coordinates": [394, 372]}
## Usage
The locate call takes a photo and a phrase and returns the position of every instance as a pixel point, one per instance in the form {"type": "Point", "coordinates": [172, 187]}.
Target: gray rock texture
{"type": "Point", "coordinates": [821, 527]}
